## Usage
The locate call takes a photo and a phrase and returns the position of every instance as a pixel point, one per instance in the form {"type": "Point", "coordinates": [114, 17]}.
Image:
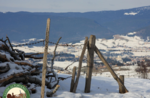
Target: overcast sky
{"type": "Point", "coordinates": [69, 5]}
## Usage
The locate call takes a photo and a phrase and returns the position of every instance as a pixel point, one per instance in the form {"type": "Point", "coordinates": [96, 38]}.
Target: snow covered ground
{"type": "Point", "coordinates": [102, 85]}
{"type": "Point", "coordinates": [119, 43]}
{"type": "Point", "coordinates": [105, 87]}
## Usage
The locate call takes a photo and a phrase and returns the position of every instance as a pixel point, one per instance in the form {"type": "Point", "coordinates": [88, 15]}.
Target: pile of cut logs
{"type": "Point", "coordinates": [14, 68]}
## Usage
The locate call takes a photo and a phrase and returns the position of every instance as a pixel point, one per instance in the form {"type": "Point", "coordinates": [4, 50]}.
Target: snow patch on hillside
{"type": "Point", "coordinates": [131, 13]}
{"type": "Point", "coordinates": [131, 33]}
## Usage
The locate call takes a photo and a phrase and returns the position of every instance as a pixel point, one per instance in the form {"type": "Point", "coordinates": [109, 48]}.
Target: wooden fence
{"type": "Point", "coordinates": [91, 48]}
{"type": "Point", "coordinates": [90, 44]}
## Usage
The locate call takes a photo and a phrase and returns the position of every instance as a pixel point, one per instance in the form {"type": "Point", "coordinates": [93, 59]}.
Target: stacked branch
{"type": "Point", "coordinates": [13, 59]}
{"type": "Point", "coordinates": [15, 75]}
{"type": "Point", "coordinates": [27, 64]}
{"type": "Point", "coordinates": [32, 56]}
{"type": "Point", "coordinates": [15, 53]}
{"type": "Point", "coordinates": [4, 69]}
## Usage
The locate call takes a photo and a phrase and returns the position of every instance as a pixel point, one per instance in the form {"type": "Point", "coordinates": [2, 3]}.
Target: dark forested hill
{"type": "Point", "coordinates": [74, 26]}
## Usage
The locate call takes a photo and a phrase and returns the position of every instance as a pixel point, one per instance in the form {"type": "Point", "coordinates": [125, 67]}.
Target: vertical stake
{"type": "Point", "coordinates": [121, 88]}
{"type": "Point", "coordinates": [45, 58]}
{"type": "Point", "coordinates": [90, 57]}
{"type": "Point", "coordinates": [80, 64]}
{"type": "Point", "coordinates": [73, 79]}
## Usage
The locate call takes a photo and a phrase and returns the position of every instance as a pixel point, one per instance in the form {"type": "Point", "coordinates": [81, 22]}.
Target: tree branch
{"type": "Point", "coordinates": [9, 43]}
{"type": "Point", "coordinates": [52, 61]}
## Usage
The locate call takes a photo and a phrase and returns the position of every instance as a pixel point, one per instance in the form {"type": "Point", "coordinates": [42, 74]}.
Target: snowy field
{"type": "Point", "coordinates": [105, 87]}
{"type": "Point", "coordinates": [101, 87]}
{"type": "Point", "coordinates": [120, 43]}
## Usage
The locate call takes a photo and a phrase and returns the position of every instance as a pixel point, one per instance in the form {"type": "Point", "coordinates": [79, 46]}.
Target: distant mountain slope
{"type": "Point", "coordinates": [74, 26]}
{"type": "Point", "coordinates": [28, 25]}
{"type": "Point", "coordinates": [120, 21]}
{"type": "Point", "coordinates": [128, 24]}
{"type": "Point", "coordinates": [144, 32]}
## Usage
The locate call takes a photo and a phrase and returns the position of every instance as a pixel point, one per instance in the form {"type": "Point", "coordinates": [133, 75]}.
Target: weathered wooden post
{"type": "Point", "coordinates": [90, 57]}
{"type": "Point", "coordinates": [80, 64]}
{"type": "Point", "coordinates": [73, 79]}
{"type": "Point", "coordinates": [109, 68]}
{"type": "Point", "coordinates": [121, 88]}
{"type": "Point", "coordinates": [45, 58]}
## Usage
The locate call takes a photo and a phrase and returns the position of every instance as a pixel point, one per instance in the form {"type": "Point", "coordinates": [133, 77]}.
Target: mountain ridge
{"type": "Point", "coordinates": [73, 26]}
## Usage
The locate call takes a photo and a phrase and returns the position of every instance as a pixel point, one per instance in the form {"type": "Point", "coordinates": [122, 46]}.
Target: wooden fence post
{"type": "Point", "coordinates": [80, 64]}
{"type": "Point", "coordinates": [121, 88]}
{"type": "Point", "coordinates": [73, 79]}
{"type": "Point", "coordinates": [90, 57]}
{"type": "Point", "coordinates": [109, 68]}
{"type": "Point", "coordinates": [45, 58]}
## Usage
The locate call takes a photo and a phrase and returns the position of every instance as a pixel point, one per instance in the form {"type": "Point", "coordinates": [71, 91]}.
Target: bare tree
{"type": "Point", "coordinates": [142, 70]}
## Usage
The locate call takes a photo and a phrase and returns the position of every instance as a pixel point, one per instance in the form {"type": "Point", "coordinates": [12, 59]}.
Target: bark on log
{"type": "Point", "coordinates": [18, 79]}
{"type": "Point", "coordinates": [29, 79]}
{"type": "Point", "coordinates": [109, 68]}
{"type": "Point", "coordinates": [4, 47]}
{"type": "Point", "coordinates": [5, 69]}
{"type": "Point", "coordinates": [4, 43]}
{"type": "Point", "coordinates": [3, 58]}
{"type": "Point", "coordinates": [25, 63]}
{"type": "Point", "coordinates": [12, 53]}
{"type": "Point", "coordinates": [15, 75]}
{"type": "Point", "coordinates": [80, 64]}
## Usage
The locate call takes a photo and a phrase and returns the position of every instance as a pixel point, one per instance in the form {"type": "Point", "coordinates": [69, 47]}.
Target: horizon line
{"type": "Point", "coordinates": [71, 11]}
